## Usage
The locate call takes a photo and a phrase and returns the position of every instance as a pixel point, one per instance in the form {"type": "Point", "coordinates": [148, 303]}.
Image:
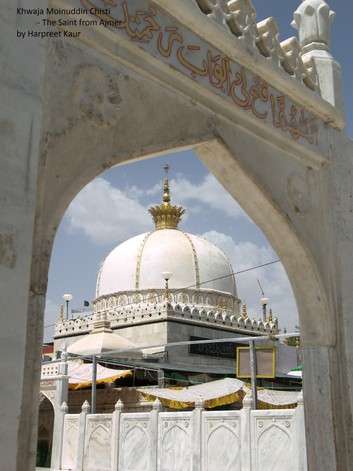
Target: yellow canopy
{"type": "Point", "coordinates": [80, 375]}
{"type": "Point", "coordinates": [213, 394]}
{"type": "Point", "coordinates": [219, 393]}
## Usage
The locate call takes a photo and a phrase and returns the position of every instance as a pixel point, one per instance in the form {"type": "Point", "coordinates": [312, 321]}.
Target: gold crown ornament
{"type": "Point", "coordinates": [166, 215]}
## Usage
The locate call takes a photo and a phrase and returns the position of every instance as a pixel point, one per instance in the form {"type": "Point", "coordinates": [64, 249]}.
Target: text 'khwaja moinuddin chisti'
{"type": "Point", "coordinates": [62, 11]}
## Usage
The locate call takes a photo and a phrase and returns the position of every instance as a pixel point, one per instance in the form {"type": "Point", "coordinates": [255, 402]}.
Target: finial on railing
{"type": "Point", "coordinates": [199, 403]}
{"type": "Point", "coordinates": [313, 20]}
{"type": "Point", "coordinates": [85, 407]}
{"type": "Point", "coordinates": [247, 400]}
{"type": "Point", "coordinates": [119, 405]}
{"type": "Point", "coordinates": [157, 404]}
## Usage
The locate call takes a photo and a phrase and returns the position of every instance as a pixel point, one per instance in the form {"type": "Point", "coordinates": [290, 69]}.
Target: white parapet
{"type": "Point", "coordinates": [245, 440]}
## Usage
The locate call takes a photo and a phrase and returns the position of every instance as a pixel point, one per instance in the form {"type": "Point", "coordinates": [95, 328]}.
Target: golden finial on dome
{"type": "Point", "coordinates": [165, 215]}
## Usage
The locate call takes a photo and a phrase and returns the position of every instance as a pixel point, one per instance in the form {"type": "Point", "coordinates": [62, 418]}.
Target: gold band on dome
{"type": "Point", "coordinates": [165, 215]}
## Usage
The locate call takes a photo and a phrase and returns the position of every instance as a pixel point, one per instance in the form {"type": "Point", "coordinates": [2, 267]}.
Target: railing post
{"type": "Point", "coordinates": [81, 436]}
{"type": "Point", "coordinates": [246, 433]}
{"type": "Point", "coordinates": [196, 435]}
{"type": "Point", "coordinates": [154, 434]}
{"type": "Point", "coordinates": [300, 434]}
{"type": "Point", "coordinates": [116, 435]}
{"type": "Point", "coordinates": [62, 380]}
{"type": "Point", "coordinates": [58, 435]}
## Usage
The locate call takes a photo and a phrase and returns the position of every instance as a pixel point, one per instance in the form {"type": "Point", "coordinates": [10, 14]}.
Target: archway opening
{"type": "Point", "coordinates": [113, 207]}
{"type": "Point", "coordinates": [45, 432]}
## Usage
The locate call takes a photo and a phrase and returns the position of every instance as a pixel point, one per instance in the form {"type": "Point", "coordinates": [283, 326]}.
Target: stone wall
{"type": "Point", "coordinates": [245, 440]}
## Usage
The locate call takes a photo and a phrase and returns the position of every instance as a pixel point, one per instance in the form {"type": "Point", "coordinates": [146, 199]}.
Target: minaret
{"type": "Point", "coordinates": [165, 215]}
{"type": "Point", "coordinates": [313, 19]}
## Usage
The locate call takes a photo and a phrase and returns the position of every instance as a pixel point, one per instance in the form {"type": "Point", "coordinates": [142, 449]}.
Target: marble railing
{"type": "Point", "coordinates": [245, 440]}
{"type": "Point", "coordinates": [150, 312]}
{"type": "Point", "coordinates": [238, 17]}
{"type": "Point", "coordinates": [210, 299]}
{"type": "Point", "coordinates": [201, 306]}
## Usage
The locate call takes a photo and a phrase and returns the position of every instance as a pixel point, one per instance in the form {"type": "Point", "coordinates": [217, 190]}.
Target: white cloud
{"type": "Point", "coordinates": [273, 278]}
{"type": "Point", "coordinates": [106, 214]}
{"type": "Point", "coordinates": [208, 193]}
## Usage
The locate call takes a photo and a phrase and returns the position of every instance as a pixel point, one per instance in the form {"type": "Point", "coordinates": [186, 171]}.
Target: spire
{"type": "Point", "coordinates": [166, 191]}
{"type": "Point", "coordinates": [270, 318]}
{"type": "Point", "coordinates": [165, 215]}
{"type": "Point", "coordinates": [244, 312]}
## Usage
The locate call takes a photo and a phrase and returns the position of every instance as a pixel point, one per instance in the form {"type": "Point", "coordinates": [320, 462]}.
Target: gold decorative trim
{"type": "Point", "coordinates": [196, 261]}
{"type": "Point", "coordinates": [138, 260]}
{"type": "Point", "coordinates": [99, 275]}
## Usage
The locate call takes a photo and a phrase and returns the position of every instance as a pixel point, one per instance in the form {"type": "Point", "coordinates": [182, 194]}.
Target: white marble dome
{"type": "Point", "coordinates": [138, 264]}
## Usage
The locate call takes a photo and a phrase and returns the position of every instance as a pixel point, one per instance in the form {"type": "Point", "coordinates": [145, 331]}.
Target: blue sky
{"type": "Point", "coordinates": [114, 206]}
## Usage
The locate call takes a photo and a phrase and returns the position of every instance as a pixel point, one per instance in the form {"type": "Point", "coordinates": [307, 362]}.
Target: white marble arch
{"type": "Point", "coordinates": [175, 442]}
{"type": "Point", "coordinates": [97, 455]}
{"type": "Point", "coordinates": [274, 450]}
{"type": "Point", "coordinates": [70, 441]}
{"type": "Point", "coordinates": [223, 450]}
{"type": "Point", "coordinates": [50, 395]}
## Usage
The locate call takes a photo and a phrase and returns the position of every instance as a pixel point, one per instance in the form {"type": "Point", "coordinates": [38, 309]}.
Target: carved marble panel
{"type": "Point", "coordinates": [70, 441]}
{"type": "Point", "coordinates": [273, 441]}
{"type": "Point", "coordinates": [98, 443]}
{"type": "Point", "coordinates": [175, 442]}
{"type": "Point", "coordinates": [221, 441]}
{"type": "Point", "coordinates": [135, 442]}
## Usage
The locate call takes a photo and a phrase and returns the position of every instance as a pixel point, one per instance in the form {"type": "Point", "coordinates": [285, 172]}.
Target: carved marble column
{"type": "Point", "coordinates": [58, 435]}
{"type": "Point", "coordinates": [116, 434]}
{"type": "Point", "coordinates": [196, 435]}
{"type": "Point", "coordinates": [22, 63]}
{"type": "Point", "coordinates": [246, 432]}
{"type": "Point", "coordinates": [313, 20]}
{"type": "Point", "coordinates": [81, 435]}
{"type": "Point", "coordinates": [300, 434]}
{"type": "Point", "coordinates": [157, 406]}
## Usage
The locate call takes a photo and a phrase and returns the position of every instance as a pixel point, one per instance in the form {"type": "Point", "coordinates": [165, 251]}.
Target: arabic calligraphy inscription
{"type": "Point", "coordinates": [160, 35]}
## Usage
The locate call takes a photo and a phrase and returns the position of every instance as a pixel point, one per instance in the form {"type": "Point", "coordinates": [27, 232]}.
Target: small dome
{"type": "Point", "coordinates": [138, 264]}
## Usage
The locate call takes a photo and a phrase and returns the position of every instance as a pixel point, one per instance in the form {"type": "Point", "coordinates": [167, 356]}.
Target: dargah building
{"type": "Point", "coordinates": [169, 286]}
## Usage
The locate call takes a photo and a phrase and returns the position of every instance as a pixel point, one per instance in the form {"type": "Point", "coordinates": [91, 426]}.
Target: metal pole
{"type": "Point", "coordinates": [67, 310]}
{"type": "Point", "coordinates": [253, 369]}
{"type": "Point", "coordinates": [94, 384]}
{"type": "Point", "coordinates": [160, 378]}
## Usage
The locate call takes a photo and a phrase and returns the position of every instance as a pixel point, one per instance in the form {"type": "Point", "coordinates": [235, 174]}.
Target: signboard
{"type": "Point", "coordinates": [265, 359]}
